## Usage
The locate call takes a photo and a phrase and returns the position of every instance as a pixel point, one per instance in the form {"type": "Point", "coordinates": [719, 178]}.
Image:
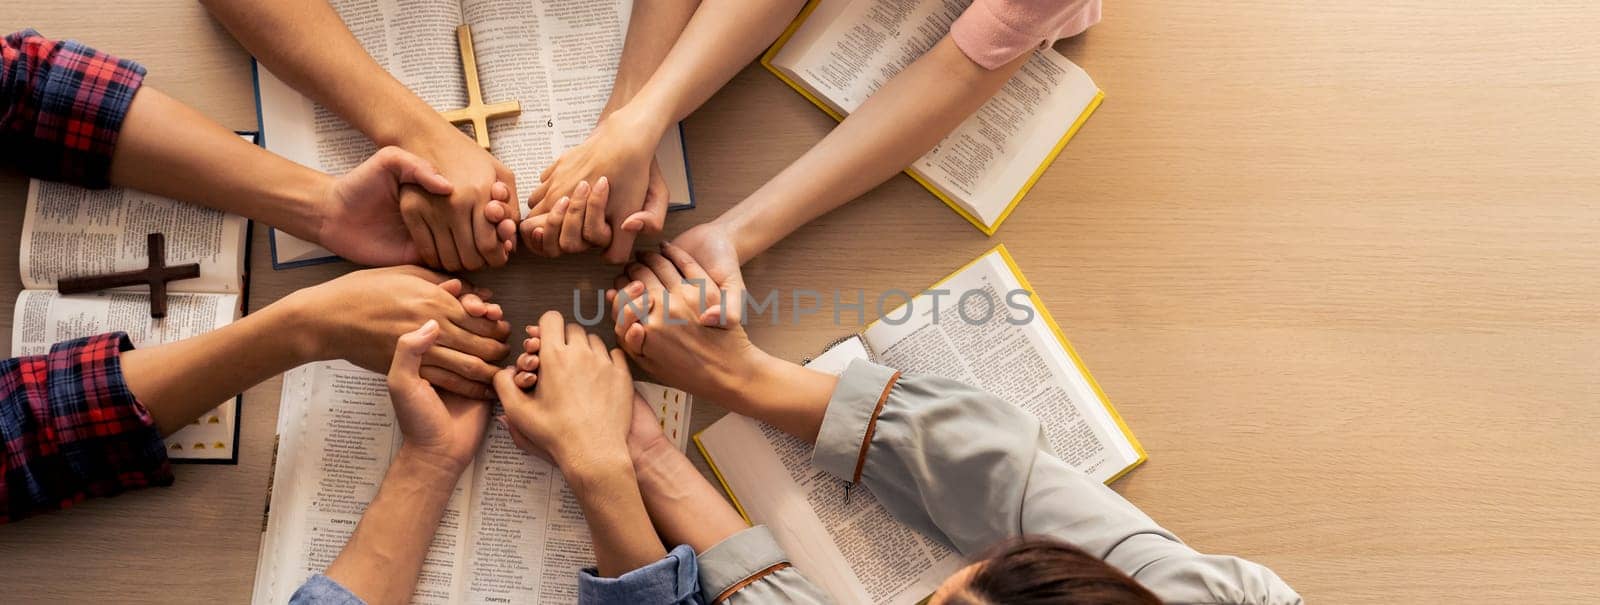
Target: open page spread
{"type": "Point", "coordinates": [513, 532]}
{"type": "Point", "coordinates": [556, 57]}
{"type": "Point", "coordinates": [847, 49]}
{"type": "Point", "coordinates": [45, 317]}
{"type": "Point", "coordinates": [69, 231]}
{"type": "Point", "coordinates": [992, 333]}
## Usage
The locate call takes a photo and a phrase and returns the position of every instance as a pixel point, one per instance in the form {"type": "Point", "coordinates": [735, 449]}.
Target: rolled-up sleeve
{"type": "Point", "coordinates": [62, 106]}
{"type": "Point", "coordinates": [994, 32]}
{"type": "Point", "coordinates": [672, 580]}
{"type": "Point", "coordinates": [967, 468]}
{"type": "Point", "coordinates": [71, 429]}
{"type": "Point", "coordinates": [749, 568]}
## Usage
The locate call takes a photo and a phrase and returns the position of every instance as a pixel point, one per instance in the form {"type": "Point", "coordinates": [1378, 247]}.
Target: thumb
{"type": "Point", "coordinates": [408, 351]}
{"type": "Point", "coordinates": [730, 308]}
{"type": "Point", "coordinates": [410, 169]}
{"type": "Point", "coordinates": [651, 219]}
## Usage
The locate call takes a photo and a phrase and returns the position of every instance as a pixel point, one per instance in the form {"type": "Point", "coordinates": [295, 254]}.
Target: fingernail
{"type": "Point", "coordinates": [583, 189]}
{"type": "Point", "coordinates": [602, 182]}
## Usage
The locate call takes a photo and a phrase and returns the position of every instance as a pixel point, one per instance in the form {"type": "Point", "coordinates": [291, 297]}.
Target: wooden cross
{"type": "Point", "coordinates": [476, 111]}
{"type": "Point", "coordinates": [157, 274]}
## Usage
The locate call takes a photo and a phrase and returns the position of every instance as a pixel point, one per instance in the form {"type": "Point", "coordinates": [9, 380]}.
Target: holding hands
{"type": "Point", "coordinates": [565, 219]}
{"type": "Point", "coordinates": [361, 317]}
{"type": "Point", "coordinates": [443, 429]}
{"type": "Point", "coordinates": [579, 415]}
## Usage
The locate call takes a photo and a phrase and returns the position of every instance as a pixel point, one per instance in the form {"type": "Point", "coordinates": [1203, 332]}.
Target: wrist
{"type": "Point", "coordinates": [594, 465]}
{"type": "Point", "coordinates": [752, 378]}
{"type": "Point", "coordinates": [427, 468]}
{"type": "Point", "coordinates": [306, 335]}
{"type": "Point", "coordinates": [637, 121]}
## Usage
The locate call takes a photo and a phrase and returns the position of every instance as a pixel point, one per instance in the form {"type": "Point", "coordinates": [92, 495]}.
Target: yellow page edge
{"type": "Point", "coordinates": [1044, 313]}
{"type": "Point", "coordinates": [1033, 296]}
{"type": "Point", "coordinates": [720, 479]}
{"type": "Point", "coordinates": [988, 230]}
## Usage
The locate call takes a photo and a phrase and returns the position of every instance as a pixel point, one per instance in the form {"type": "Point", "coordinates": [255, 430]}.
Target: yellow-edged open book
{"type": "Point", "coordinates": [838, 52]}
{"type": "Point", "coordinates": [992, 332]}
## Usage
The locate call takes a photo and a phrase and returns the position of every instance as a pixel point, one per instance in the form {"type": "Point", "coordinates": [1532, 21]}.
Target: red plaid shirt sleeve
{"type": "Point", "coordinates": [72, 429]}
{"type": "Point", "coordinates": [61, 107]}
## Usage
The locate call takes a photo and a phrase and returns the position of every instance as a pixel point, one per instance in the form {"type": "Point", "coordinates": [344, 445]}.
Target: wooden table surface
{"type": "Point", "coordinates": [1336, 263]}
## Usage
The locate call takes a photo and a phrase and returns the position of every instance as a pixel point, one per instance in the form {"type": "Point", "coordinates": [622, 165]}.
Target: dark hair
{"type": "Point", "coordinates": [1035, 570]}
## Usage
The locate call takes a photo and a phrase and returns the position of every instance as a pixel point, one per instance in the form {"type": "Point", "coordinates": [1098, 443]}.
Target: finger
{"type": "Point", "coordinates": [494, 313]}
{"type": "Point", "coordinates": [450, 382]}
{"type": "Point", "coordinates": [595, 229]}
{"type": "Point", "coordinates": [730, 310]}
{"type": "Point", "coordinates": [619, 359]}
{"type": "Point", "coordinates": [453, 286]}
{"type": "Point", "coordinates": [507, 230]}
{"type": "Point", "coordinates": [575, 336]}
{"type": "Point", "coordinates": [641, 273]}
{"type": "Point", "coordinates": [482, 347]}
{"type": "Point", "coordinates": [417, 227]}
{"type": "Point", "coordinates": [621, 246]}
{"type": "Point", "coordinates": [473, 305]}
{"type": "Point", "coordinates": [504, 176]}
{"type": "Point", "coordinates": [463, 229]}
{"type": "Point", "coordinates": [525, 380]}
{"type": "Point", "coordinates": [663, 269]}
{"type": "Point", "coordinates": [532, 231]}
{"type": "Point", "coordinates": [444, 243]}
{"type": "Point", "coordinates": [487, 238]}
{"type": "Point", "coordinates": [527, 362]}
{"type": "Point", "coordinates": [410, 169]}
{"type": "Point", "coordinates": [686, 264]}
{"type": "Point", "coordinates": [595, 344]}
{"type": "Point", "coordinates": [505, 386]}
{"type": "Point", "coordinates": [572, 223]}
{"type": "Point", "coordinates": [653, 217]}
{"type": "Point", "coordinates": [552, 331]}
{"type": "Point", "coordinates": [410, 348]}
{"type": "Point", "coordinates": [552, 227]}
{"type": "Point", "coordinates": [634, 340]}
{"type": "Point", "coordinates": [460, 364]}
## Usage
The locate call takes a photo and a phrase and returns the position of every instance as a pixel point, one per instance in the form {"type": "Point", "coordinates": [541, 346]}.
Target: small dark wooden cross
{"type": "Point", "coordinates": [157, 274]}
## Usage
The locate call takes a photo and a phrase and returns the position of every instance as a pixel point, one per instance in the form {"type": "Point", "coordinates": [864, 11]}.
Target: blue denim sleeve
{"type": "Point", "coordinates": [674, 579]}
{"type": "Point", "coordinates": [321, 590]}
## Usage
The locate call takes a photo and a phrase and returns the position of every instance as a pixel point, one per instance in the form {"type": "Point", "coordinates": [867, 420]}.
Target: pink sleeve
{"type": "Point", "coordinates": [994, 32]}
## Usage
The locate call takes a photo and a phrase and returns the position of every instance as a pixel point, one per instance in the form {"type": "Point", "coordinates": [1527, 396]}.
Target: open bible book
{"type": "Point", "coordinates": [992, 332]}
{"type": "Point", "coordinates": [512, 533]}
{"type": "Point", "coordinates": [556, 57]}
{"type": "Point", "coordinates": [69, 231]}
{"type": "Point", "coordinates": [838, 52]}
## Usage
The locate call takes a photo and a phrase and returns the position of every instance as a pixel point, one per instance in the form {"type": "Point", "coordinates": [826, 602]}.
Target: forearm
{"type": "Point", "coordinates": [652, 30]}
{"type": "Point", "coordinates": [381, 561]}
{"type": "Point", "coordinates": [781, 393]}
{"type": "Point", "coordinates": [177, 382]}
{"type": "Point", "coordinates": [718, 41]}
{"type": "Point", "coordinates": [619, 525]}
{"type": "Point", "coordinates": [169, 149]}
{"type": "Point", "coordinates": [896, 125]}
{"type": "Point", "coordinates": [323, 60]}
{"type": "Point", "coordinates": [685, 508]}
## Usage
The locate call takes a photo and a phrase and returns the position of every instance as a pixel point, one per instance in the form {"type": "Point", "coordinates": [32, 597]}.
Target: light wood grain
{"type": "Point", "coordinates": [1336, 264]}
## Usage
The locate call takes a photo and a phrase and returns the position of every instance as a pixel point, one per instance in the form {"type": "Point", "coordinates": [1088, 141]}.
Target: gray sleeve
{"type": "Point", "coordinates": [748, 568]}
{"type": "Point", "coordinates": [959, 464]}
